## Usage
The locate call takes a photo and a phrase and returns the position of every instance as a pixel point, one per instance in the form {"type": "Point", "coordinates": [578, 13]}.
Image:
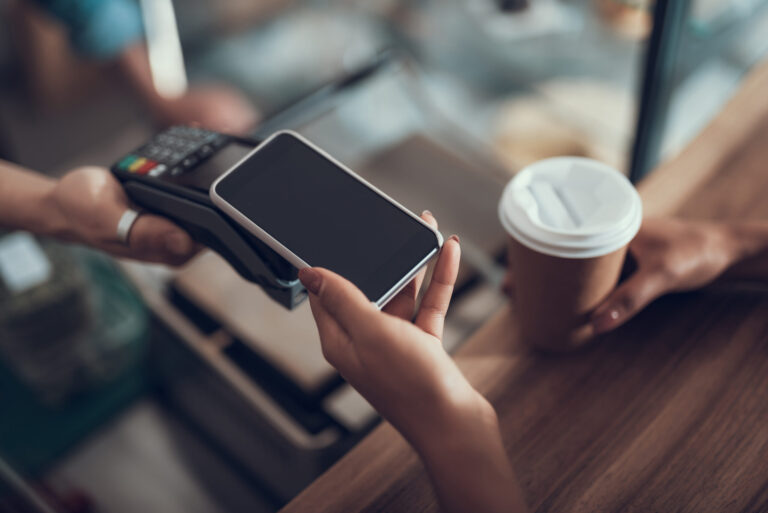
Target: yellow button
{"type": "Point", "coordinates": [137, 164]}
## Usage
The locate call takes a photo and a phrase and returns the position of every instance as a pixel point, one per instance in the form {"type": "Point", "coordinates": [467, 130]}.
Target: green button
{"type": "Point", "coordinates": [127, 161]}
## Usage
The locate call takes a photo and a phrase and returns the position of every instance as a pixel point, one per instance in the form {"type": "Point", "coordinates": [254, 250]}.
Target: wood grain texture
{"type": "Point", "coordinates": [668, 413]}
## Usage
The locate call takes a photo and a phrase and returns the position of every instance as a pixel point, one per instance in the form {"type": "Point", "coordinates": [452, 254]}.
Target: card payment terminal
{"type": "Point", "coordinates": [170, 176]}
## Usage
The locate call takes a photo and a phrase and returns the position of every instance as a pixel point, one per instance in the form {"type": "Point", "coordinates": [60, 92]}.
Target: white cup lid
{"type": "Point", "coordinates": [571, 207]}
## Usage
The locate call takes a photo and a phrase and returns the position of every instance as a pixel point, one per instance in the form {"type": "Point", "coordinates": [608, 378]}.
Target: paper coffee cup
{"type": "Point", "coordinates": [570, 220]}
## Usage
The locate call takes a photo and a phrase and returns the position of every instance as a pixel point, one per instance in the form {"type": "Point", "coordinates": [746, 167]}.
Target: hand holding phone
{"type": "Point", "coordinates": [315, 212]}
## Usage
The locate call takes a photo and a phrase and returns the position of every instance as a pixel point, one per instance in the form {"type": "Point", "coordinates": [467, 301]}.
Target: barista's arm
{"type": "Point", "coordinates": [675, 255]}
{"type": "Point", "coordinates": [25, 201]}
{"type": "Point", "coordinates": [85, 207]}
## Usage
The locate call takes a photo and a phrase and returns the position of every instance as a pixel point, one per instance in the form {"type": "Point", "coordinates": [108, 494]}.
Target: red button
{"type": "Point", "coordinates": [146, 167]}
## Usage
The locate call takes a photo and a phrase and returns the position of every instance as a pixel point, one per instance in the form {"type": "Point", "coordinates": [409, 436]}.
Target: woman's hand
{"type": "Point", "coordinates": [401, 368]}
{"type": "Point", "coordinates": [672, 255]}
{"type": "Point", "coordinates": [88, 203]}
{"type": "Point", "coordinates": [398, 365]}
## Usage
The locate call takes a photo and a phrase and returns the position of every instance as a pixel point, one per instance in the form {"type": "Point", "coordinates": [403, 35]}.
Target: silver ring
{"type": "Point", "coordinates": [127, 220]}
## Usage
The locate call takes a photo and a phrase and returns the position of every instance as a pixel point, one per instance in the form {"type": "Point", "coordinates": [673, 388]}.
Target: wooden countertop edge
{"type": "Point", "coordinates": [663, 192]}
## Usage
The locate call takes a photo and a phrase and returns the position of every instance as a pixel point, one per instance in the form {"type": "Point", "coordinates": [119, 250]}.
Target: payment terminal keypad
{"type": "Point", "coordinates": [174, 151]}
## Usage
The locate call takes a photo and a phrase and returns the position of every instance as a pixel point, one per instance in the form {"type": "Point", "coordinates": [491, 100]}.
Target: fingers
{"type": "Point", "coordinates": [437, 298]}
{"type": "Point", "coordinates": [344, 302]}
{"type": "Point", "coordinates": [327, 326]}
{"type": "Point", "coordinates": [157, 239]}
{"type": "Point", "coordinates": [627, 300]}
{"type": "Point", "coordinates": [404, 303]}
{"type": "Point", "coordinates": [333, 339]}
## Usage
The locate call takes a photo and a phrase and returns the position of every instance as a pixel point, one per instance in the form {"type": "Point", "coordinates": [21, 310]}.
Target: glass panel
{"type": "Point", "coordinates": [534, 79]}
{"type": "Point", "coordinates": [720, 42]}
{"type": "Point", "coordinates": [527, 79]}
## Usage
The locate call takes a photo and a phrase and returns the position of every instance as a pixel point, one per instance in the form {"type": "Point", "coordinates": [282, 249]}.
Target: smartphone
{"type": "Point", "coordinates": [316, 212]}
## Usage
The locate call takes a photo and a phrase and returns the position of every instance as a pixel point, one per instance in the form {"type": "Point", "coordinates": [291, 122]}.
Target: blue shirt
{"type": "Point", "coordinates": [98, 28]}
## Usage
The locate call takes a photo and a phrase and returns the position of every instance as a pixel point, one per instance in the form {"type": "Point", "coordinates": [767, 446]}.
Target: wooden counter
{"type": "Point", "coordinates": [669, 413]}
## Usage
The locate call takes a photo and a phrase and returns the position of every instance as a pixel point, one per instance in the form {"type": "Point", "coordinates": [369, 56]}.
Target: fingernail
{"type": "Point", "coordinates": [605, 321]}
{"type": "Point", "coordinates": [455, 237]}
{"type": "Point", "coordinates": [311, 279]}
{"type": "Point", "coordinates": [178, 243]}
{"type": "Point", "coordinates": [427, 213]}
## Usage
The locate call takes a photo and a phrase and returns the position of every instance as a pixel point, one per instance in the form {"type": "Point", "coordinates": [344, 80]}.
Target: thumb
{"type": "Point", "coordinates": [341, 300]}
{"type": "Point", "coordinates": [158, 239]}
{"type": "Point", "coordinates": [627, 300]}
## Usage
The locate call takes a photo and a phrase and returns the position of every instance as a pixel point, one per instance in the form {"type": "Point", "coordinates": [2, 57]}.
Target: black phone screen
{"type": "Point", "coordinates": [326, 216]}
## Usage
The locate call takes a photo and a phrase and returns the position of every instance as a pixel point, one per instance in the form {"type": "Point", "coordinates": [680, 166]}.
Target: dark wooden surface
{"type": "Point", "coordinates": [669, 413]}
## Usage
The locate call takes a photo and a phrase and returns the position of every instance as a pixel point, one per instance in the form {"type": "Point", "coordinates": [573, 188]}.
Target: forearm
{"type": "Point", "coordinates": [469, 467]}
{"type": "Point", "coordinates": [749, 241]}
{"type": "Point", "coordinates": [27, 203]}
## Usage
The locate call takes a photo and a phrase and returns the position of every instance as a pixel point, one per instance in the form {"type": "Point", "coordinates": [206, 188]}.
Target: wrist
{"type": "Point", "coordinates": [32, 206]}
{"type": "Point", "coordinates": [466, 426]}
{"type": "Point", "coordinates": [53, 219]}
{"type": "Point", "coordinates": [745, 240]}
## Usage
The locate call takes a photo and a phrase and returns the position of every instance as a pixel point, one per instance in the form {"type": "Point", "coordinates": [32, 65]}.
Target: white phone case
{"type": "Point", "coordinates": [286, 253]}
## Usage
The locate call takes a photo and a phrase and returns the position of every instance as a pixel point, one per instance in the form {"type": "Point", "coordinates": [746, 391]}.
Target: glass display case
{"type": "Point", "coordinates": [628, 82]}
{"type": "Point", "coordinates": [525, 82]}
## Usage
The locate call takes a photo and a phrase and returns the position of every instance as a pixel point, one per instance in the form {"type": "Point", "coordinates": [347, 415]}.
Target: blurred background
{"type": "Point", "coordinates": [129, 387]}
